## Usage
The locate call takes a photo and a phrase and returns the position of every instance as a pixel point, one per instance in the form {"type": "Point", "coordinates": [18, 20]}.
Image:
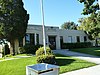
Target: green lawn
{"type": "Point", "coordinates": [18, 66]}
{"type": "Point", "coordinates": [92, 51]}
{"type": "Point", "coordinates": [69, 63]}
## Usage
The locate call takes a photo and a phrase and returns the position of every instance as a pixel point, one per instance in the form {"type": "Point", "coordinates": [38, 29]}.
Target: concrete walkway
{"type": "Point", "coordinates": [95, 70]}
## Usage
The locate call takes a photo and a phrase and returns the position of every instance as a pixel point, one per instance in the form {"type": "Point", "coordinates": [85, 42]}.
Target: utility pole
{"type": "Point", "coordinates": [43, 26]}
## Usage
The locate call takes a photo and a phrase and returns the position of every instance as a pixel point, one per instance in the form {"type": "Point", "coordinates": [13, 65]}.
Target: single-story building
{"type": "Point", "coordinates": [53, 35]}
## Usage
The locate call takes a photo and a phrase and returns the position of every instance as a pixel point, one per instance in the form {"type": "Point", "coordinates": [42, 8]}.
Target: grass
{"type": "Point", "coordinates": [69, 63]}
{"type": "Point", "coordinates": [18, 66]}
{"type": "Point", "coordinates": [93, 51]}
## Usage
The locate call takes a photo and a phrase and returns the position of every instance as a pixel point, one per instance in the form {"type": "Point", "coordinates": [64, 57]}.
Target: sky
{"type": "Point", "coordinates": [56, 12]}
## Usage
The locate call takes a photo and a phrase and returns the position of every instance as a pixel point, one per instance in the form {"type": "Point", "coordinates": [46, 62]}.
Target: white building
{"type": "Point", "coordinates": [54, 36]}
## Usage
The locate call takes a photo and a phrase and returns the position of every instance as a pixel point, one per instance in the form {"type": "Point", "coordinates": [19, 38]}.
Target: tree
{"type": "Point", "coordinates": [90, 6]}
{"type": "Point", "coordinates": [69, 26]}
{"type": "Point", "coordinates": [13, 21]}
{"type": "Point", "coordinates": [92, 25]}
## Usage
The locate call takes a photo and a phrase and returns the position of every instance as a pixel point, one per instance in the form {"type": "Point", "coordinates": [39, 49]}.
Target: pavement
{"type": "Point", "coordinates": [95, 70]}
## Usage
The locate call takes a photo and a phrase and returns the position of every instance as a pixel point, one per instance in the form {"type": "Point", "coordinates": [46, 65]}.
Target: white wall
{"type": "Point", "coordinates": [55, 31]}
{"type": "Point", "coordinates": [74, 34]}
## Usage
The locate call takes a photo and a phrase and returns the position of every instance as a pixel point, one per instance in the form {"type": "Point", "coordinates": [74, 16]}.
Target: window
{"type": "Point", "coordinates": [27, 38]}
{"type": "Point", "coordinates": [78, 38]}
{"type": "Point", "coordinates": [69, 39]}
{"type": "Point", "coordinates": [85, 38]}
{"type": "Point", "coordinates": [37, 38]}
{"type": "Point", "coordinates": [32, 39]}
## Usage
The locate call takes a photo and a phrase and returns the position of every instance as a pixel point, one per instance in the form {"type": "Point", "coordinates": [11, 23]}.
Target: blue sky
{"type": "Point", "coordinates": [56, 11]}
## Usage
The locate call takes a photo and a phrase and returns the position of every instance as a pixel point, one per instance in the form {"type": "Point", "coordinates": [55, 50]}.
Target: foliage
{"type": "Point", "coordinates": [22, 50]}
{"type": "Point", "coordinates": [90, 6]}
{"type": "Point", "coordinates": [29, 49]}
{"type": "Point", "coordinates": [91, 25]}
{"type": "Point", "coordinates": [42, 58]}
{"type": "Point", "coordinates": [40, 51]}
{"type": "Point", "coordinates": [93, 22]}
{"type": "Point", "coordinates": [76, 45]}
{"type": "Point", "coordinates": [50, 59]}
{"type": "Point", "coordinates": [69, 26]}
{"type": "Point", "coordinates": [13, 20]}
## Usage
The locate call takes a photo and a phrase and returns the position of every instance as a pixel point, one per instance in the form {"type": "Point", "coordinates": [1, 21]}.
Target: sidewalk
{"type": "Point", "coordinates": [95, 70]}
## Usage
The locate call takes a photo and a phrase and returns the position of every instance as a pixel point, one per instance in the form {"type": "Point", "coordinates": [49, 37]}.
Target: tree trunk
{"type": "Point", "coordinates": [16, 46]}
{"type": "Point", "coordinates": [12, 50]}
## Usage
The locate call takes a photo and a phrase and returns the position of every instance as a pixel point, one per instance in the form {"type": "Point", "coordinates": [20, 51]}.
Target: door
{"type": "Point", "coordinates": [52, 42]}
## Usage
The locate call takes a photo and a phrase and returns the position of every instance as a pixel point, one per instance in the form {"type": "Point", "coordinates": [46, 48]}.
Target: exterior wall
{"type": "Point", "coordinates": [73, 34]}
{"type": "Point", "coordinates": [55, 31]}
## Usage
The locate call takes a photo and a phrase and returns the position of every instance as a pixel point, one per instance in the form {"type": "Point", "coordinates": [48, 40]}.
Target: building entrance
{"type": "Point", "coordinates": [52, 42]}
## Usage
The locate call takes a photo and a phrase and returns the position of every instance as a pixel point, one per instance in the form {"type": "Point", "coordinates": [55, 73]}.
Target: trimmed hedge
{"type": "Point", "coordinates": [40, 51]}
{"type": "Point", "coordinates": [29, 49]}
{"type": "Point", "coordinates": [50, 59]}
{"type": "Point", "coordinates": [76, 45]}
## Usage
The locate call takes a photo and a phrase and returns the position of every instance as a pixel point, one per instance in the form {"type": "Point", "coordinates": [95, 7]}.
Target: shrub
{"type": "Point", "coordinates": [29, 49]}
{"type": "Point", "coordinates": [40, 51]}
{"type": "Point", "coordinates": [22, 50]}
{"type": "Point", "coordinates": [76, 45]}
{"type": "Point", "coordinates": [50, 59]}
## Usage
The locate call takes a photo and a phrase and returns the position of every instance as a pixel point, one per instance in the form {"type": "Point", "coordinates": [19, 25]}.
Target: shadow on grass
{"type": "Point", "coordinates": [62, 62]}
{"type": "Point", "coordinates": [59, 55]}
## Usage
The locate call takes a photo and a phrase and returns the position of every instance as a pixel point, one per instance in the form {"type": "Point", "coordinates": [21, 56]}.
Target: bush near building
{"type": "Point", "coordinates": [29, 49]}
{"type": "Point", "coordinates": [42, 58]}
{"type": "Point", "coordinates": [50, 59]}
{"type": "Point", "coordinates": [40, 51]}
{"type": "Point", "coordinates": [76, 45]}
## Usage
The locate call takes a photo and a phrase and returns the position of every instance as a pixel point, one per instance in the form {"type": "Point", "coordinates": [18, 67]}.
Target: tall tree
{"type": "Point", "coordinates": [90, 6]}
{"type": "Point", "coordinates": [13, 20]}
{"type": "Point", "coordinates": [92, 23]}
{"type": "Point", "coordinates": [69, 26]}
{"type": "Point", "coordinates": [91, 27]}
